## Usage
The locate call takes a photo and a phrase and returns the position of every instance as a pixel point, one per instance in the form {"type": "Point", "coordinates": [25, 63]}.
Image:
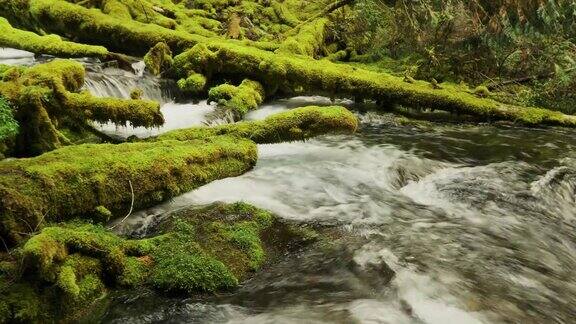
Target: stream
{"type": "Point", "coordinates": [430, 223]}
{"type": "Point", "coordinates": [438, 224]}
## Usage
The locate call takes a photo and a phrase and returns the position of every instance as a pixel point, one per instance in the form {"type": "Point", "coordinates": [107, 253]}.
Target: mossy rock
{"type": "Point", "coordinates": [69, 267]}
{"type": "Point", "coordinates": [239, 99]}
{"type": "Point", "coordinates": [158, 59]}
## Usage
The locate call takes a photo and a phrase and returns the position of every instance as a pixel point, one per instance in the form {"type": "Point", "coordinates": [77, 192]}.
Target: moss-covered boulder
{"type": "Point", "coordinates": [61, 272]}
{"type": "Point", "coordinates": [238, 99]}
{"type": "Point", "coordinates": [158, 59]}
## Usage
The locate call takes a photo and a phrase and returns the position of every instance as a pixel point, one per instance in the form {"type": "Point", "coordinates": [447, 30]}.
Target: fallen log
{"type": "Point", "coordinates": [72, 182]}
{"type": "Point", "coordinates": [45, 95]}
{"type": "Point", "coordinates": [294, 125]}
{"type": "Point", "coordinates": [296, 72]}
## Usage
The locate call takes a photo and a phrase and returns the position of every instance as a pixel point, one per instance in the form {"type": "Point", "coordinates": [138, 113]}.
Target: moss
{"type": "Point", "coordinates": [49, 44]}
{"type": "Point", "coordinates": [482, 92]}
{"type": "Point", "coordinates": [284, 14]}
{"type": "Point", "coordinates": [241, 99]}
{"type": "Point", "coordinates": [116, 8]}
{"type": "Point", "coordinates": [21, 304]}
{"type": "Point", "coordinates": [119, 34]}
{"type": "Point", "coordinates": [293, 125]}
{"type": "Point", "coordinates": [136, 94]}
{"type": "Point", "coordinates": [118, 111]}
{"type": "Point", "coordinates": [289, 71]}
{"type": "Point", "coordinates": [45, 96]}
{"type": "Point", "coordinates": [73, 181]}
{"type": "Point", "coordinates": [211, 248]}
{"type": "Point", "coordinates": [135, 271]}
{"type": "Point", "coordinates": [196, 250]}
{"type": "Point", "coordinates": [182, 265]}
{"type": "Point", "coordinates": [193, 84]}
{"type": "Point", "coordinates": [67, 281]}
{"type": "Point", "coordinates": [308, 41]}
{"type": "Point", "coordinates": [158, 59]}
{"type": "Point", "coordinates": [103, 214]}
{"type": "Point", "coordinates": [198, 59]}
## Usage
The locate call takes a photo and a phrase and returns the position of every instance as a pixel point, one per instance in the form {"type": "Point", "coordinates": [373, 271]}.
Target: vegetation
{"type": "Point", "coordinates": [67, 267]}
{"type": "Point", "coordinates": [49, 44]}
{"type": "Point", "coordinates": [8, 126]}
{"type": "Point", "coordinates": [45, 97]}
{"type": "Point", "coordinates": [158, 59]}
{"type": "Point", "coordinates": [241, 99]}
{"type": "Point", "coordinates": [477, 41]}
{"type": "Point", "coordinates": [294, 125]}
{"type": "Point", "coordinates": [517, 56]}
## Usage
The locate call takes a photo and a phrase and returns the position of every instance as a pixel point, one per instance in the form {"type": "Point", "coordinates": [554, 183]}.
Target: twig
{"type": "Point", "coordinates": [131, 207]}
{"type": "Point", "coordinates": [5, 245]}
{"type": "Point", "coordinates": [40, 222]}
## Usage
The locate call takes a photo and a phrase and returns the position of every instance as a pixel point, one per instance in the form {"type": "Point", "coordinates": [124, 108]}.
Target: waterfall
{"type": "Point", "coordinates": [108, 81]}
{"type": "Point", "coordinates": [11, 56]}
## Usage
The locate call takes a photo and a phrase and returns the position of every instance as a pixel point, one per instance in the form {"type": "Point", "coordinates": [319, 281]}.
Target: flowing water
{"type": "Point", "coordinates": [436, 223]}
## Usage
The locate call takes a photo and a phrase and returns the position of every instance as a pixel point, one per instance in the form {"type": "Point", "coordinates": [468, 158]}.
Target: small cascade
{"type": "Point", "coordinates": [176, 116]}
{"type": "Point", "coordinates": [11, 56]}
{"type": "Point", "coordinates": [108, 81]}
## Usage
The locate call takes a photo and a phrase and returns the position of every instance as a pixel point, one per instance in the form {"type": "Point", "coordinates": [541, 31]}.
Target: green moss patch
{"type": "Point", "coordinates": [158, 59]}
{"type": "Point", "coordinates": [239, 99]}
{"type": "Point", "coordinates": [294, 125]}
{"type": "Point", "coordinates": [77, 181]}
{"type": "Point", "coordinates": [68, 267]}
{"type": "Point", "coordinates": [49, 44]}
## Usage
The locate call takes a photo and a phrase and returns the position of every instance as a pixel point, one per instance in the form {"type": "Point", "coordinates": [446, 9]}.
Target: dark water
{"type": "Point", "coordinates": [436, 224]}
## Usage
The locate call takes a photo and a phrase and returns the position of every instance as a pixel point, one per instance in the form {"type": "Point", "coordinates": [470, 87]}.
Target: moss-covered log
{"type": "Point", "coordinates": [238, 99]}
{"type": "Point", "coordinates": [91, 26]}
{"type": "Point", "coordinates": [94, 27]}
{"type": "Point", "coordinates": [44, 96]}
{"type": "Point", "coordinates": [308, 41]}
{"type": "Point", "coordinates": [294, 125]}
{"type": "Point", "coordinates": [73, 181]}
{"type": "Point", "coordinates": [49, 44]}
{"type": "Point", "coordinates": [295, 72]}
{"type": "Point", "coordinates": [67, 267]}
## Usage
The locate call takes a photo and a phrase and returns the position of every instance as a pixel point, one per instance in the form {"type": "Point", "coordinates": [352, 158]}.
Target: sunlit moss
{"type": "Point", "coordinates": [193, 84]}
{"type": "Point", "coordinates": [239, 99]}
{"type": "Point", "coordinates": [308, 41]}
{"type": "Point", "coordinates": [293, 125]}
{"type": "Point", "coordinates": [73, 181]}
{"type": "Point", "coordinates": [158, 59]}
{"type": "Point", "coordinates": [49, 44]}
